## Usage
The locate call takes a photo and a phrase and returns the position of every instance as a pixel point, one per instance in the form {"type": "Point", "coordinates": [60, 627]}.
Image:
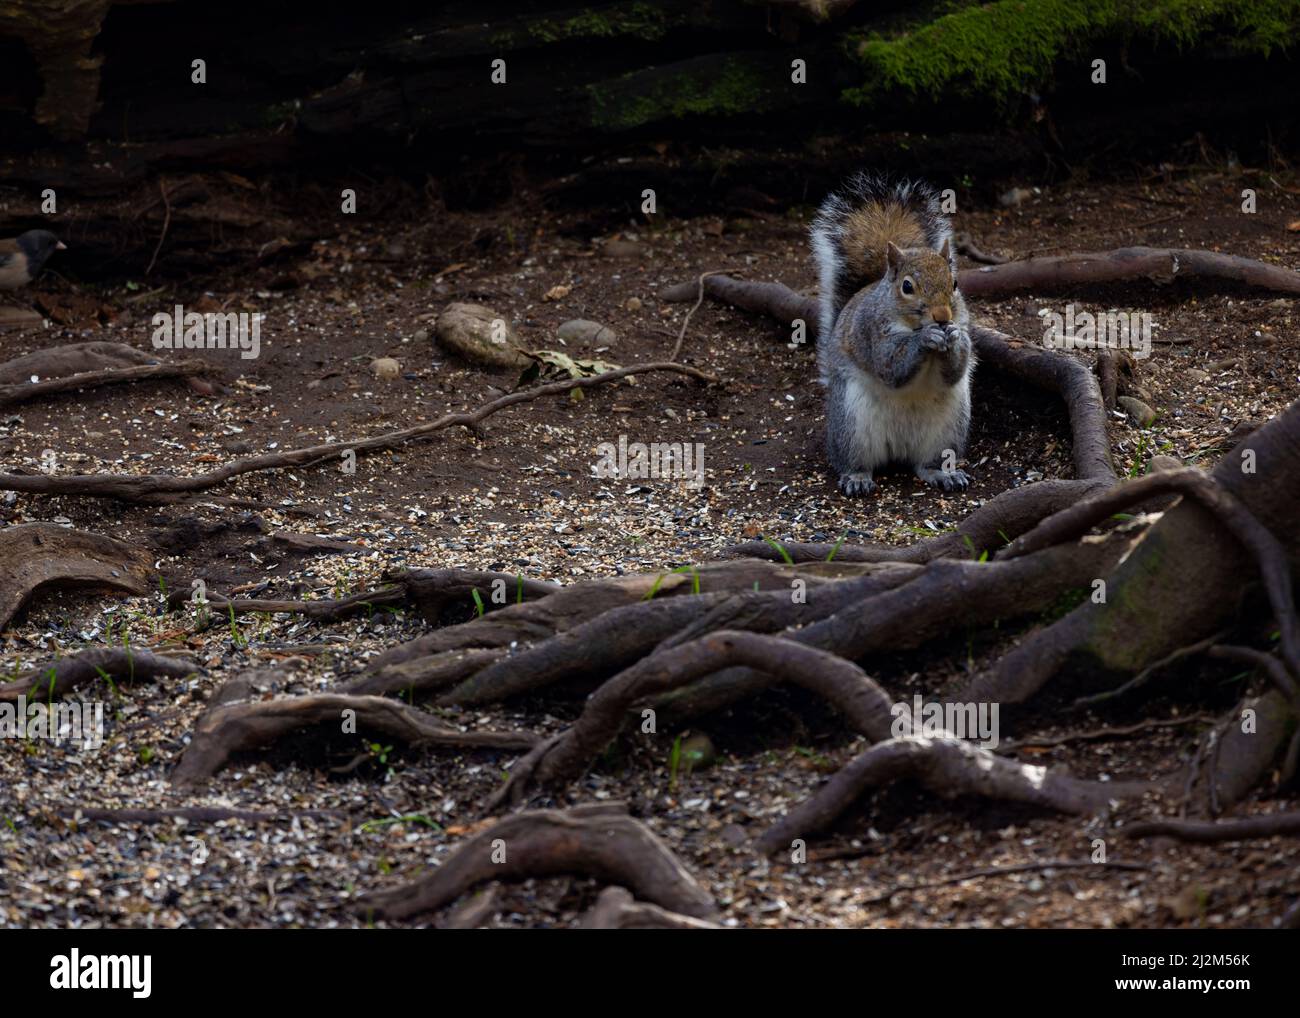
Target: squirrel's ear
{"type": "Point", "coordinates": [946, 250]}
{"type": "Point", "coordinates": [893, 256]}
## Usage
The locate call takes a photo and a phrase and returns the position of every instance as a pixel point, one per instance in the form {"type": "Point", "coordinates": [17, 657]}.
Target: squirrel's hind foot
{"type": "Point", "coordinates": [857, 485]}
{"type": "Point", "coordinates": [948, 480]}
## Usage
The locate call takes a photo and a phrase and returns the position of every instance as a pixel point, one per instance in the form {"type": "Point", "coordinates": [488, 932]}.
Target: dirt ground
{"type": "Point", "coordinates": [521, 498]}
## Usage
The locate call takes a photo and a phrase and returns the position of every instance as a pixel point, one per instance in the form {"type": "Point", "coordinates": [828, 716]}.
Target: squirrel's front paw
{"type": "Point", "coordinates": [956, 335]}
{"type": "Point", "coordinates": [857, 485]}
{"type": "Point", "coordinates": [933, 337]}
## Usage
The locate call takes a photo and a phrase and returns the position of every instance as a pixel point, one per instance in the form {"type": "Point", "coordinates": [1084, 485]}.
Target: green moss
{"type": "Point", "coordinates": [640, 20]}
{"type": "Point", "coordinates": [644, 97]}
{"type": "Point", "coordinates": [1000, 50]}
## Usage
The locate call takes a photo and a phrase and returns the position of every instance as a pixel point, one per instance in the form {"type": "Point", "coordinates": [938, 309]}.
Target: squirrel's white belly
{"type": "Point", "coordinates": [914, 424]}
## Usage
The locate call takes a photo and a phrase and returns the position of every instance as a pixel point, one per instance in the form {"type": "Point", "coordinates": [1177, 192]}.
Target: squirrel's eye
{"type": "Point", "coordinates": [907, 285]}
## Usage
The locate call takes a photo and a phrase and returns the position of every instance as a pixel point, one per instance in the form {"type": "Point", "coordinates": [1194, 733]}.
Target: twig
{"type": "Point", "coordinates": [681, 335]}
{"type": "Point", "coordinates": [168, 488]}
{"type": "Point", "coordinates": [1103, 733]}
{"type": "Point", "coordinates": [167, 219]}
{"type": "Point", "coordinates": [1145, 674]}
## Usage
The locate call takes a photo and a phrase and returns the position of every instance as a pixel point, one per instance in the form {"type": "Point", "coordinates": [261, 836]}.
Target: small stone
{"type": "Point", "coordinates": [1196, 376]}
{"type": "Point", "coordinates": [1162, 462]}
{"type": "Point", "coordinates": [421, 336]}
{"type": "Point", "coordinates": [385, 368]}
{"type": "Point", "coordinates": [1139, 413]}
{"type": "Point", "coordinates": [633, 304]}
{"type": "Point", "coordinates": [580, 330]}
{"type": "Point", "coordinates": [1012, 198]}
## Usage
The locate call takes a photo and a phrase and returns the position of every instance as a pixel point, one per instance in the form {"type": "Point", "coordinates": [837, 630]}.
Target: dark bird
{"type": "Point", "coordinates": [22, 258]}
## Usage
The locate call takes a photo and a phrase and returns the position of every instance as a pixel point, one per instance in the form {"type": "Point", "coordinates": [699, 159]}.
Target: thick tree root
{"type": "Point", "coordinates": [569, 607]}
{"type": "Point", "coordinates": [616, 909]}
{"type": "Point", "coordinates": [1046, 369]}
{"type": "Point", "coordinates": [864, 705]}
{"type": "Point", "coordinates": [190, 368]}
{"type": "Point", "coordinates": [35, 555]}
{"type": "Point", "coordinates": [1125, 264]}
{"type": "Point", "coordinates": [156, 489]}
{"type": "Point", "coordinates": [617, 639]}
{"type": "Point", "coordinates": [60, 677]}
{"type": "Point", "coordinates": [541, 843]}
{"type": "Point", "coordinates": [988, 528]}
{"type": "Point", "coordinates": [433, 591]}
{"type": "Point", "coordinates": [324, 610]}
{"type": "Point", "coordinates": [88, 365]}
{"type": "Point", "coordinates": [1271, 825]}
{"type": "Point", "coordinates": [947, 595]}
{"type": "Point", "coordinates": [420, 674]}
{"type": "Point", "coordinates": [231, 728]}
{"type": "Point", "coordinates": [436, 592]}
{"type": "Point", "coordinates": [1269, 555]}
{"type": "Point", "coordinates": [948, 768]}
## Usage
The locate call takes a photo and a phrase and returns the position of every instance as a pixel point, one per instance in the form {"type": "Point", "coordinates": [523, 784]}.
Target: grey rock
{"type": "Point", "coordinates": [580, 330]}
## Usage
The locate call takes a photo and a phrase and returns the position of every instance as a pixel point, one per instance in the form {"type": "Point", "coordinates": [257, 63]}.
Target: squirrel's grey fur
{"type": "Point", "coordinates": [897, 377]}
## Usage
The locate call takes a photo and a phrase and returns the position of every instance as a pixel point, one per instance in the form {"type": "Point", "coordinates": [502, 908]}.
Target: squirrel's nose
{"type": "Point", "coordinates": [941, 314]}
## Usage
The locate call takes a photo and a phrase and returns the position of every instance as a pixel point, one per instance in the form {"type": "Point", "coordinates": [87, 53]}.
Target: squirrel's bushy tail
{"type": "Point", "coordinates": [853, 226]}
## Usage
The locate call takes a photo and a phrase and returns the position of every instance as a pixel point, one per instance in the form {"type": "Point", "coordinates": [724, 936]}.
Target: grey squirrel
{"type": "Point", "coordinates": [893, 348]}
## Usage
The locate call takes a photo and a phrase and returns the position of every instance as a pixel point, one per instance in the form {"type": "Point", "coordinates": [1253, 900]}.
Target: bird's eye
{"type": "Point", "coordinates": [907, 285]}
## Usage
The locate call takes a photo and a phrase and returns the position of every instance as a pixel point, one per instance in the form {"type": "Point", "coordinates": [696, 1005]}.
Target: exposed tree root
{"type": "Point", "coordinates": [436, 591]}
{"type": "Point", "coordinates": [1242, 754]}
{"type": "Point", "coordinates": [324, 610]}
{"type": "Point", "coordinates": [1272, 666]}
{"type": "Point", "coordinates": [240, 726]}
{"type": "Point", "coordinates": [190, 368]}
{"type": "Point", "coordinates": [87, 365]}
{"type": "Point", "coordinates": [1047, 369]}
{"type": "Point", "coordinates": [61, 676]}
{"type": "Point", "coordinates": [988, 528]}
{"type": "Point", "coordinates": [864, 705]}
{"type": "Point", "coordinates": [569, 607]}
{"type": "Point", "coordinates": [36, 555]}
{"type": "Point", "coordinates": [616, 909]}
{"type": "Point", "coordinates": [1148, 613]}
{"type": "Point", "coordinates": [598, 843]}
{"type": "Point", "coordinates": [165, 488]}
{"type": "Point", "coordinates": [1125, 264]}
{"type": "Point", "coordinates": [433, 591]}
{"type": "Point", "coordinates": [948, 768]}
{"type": "Point", "coordinates": [620, 637]}
{"type": "Point", "coordinates": [1270, 557]}
{"type": "Point", "coordinates": [1271, 825]}
{"type": "Point", "coordinates": [947, 595]}
{"type": "Point", "coordinates": [429, 672]}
